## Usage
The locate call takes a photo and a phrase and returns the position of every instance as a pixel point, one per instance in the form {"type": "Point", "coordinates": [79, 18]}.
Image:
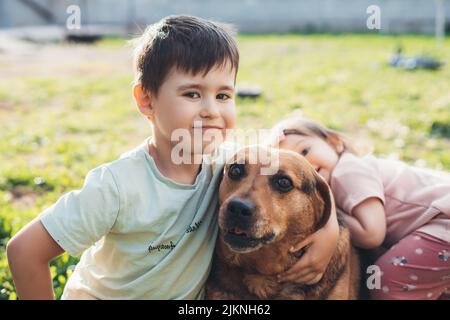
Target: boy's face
{"type": "Point", "coordinates": [185, 101]}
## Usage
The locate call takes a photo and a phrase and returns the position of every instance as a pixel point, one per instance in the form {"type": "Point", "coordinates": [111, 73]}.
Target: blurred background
{"type": "Point", "coordinates": [377, 70]}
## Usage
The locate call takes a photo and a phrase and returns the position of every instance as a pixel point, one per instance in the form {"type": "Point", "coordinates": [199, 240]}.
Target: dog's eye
{"type": "Point", "coordinates": [282, 183]}
{"type": "Point", "coordinates": [236, 171]}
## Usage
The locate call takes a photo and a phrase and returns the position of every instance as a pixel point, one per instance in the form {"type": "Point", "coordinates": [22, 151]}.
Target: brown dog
{"type": "Point", "coordinates": [260, 218]}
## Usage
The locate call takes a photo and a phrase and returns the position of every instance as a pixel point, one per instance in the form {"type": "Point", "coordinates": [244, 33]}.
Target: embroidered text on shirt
{"type": "Point", "coordinates": [162, 246]}
{"type": "Point", "coordinates": [194, 227]}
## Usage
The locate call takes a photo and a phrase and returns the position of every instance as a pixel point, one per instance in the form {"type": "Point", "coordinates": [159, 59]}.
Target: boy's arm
{"type": "Point", "coordinates": [367, 223]}
{"type": "Point", "coordinates": [29, 254]}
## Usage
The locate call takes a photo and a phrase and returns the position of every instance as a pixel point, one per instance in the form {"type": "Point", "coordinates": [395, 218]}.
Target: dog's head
{"type": "Point", "coordinates": [258, 210]}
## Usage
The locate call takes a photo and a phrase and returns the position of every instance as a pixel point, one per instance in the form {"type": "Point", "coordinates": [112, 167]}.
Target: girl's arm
{"type": "Point", "coordinates": [29, 254]}
{"type": "Point", "coordinates": [320, 247]}
{"type": "Point", "coordinates": [367, 224]}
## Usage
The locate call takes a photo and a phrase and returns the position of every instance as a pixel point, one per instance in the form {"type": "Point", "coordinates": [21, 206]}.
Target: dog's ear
{"type": "Point", "coordinates": [324, 191]}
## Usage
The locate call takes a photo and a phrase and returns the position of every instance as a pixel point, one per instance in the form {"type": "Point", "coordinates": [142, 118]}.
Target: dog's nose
{"type": "Point", "coordinates": [241, 207]}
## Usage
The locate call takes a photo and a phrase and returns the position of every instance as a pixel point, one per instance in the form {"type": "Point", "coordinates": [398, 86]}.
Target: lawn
{"type": "Point", "coordinates": [66, 109]}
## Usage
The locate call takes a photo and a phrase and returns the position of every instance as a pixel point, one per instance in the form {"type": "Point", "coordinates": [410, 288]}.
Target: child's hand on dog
{"type": "Point", "coordinates": [319, 248]}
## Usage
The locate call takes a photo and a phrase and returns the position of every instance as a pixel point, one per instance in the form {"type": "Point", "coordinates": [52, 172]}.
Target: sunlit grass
{"type": "Point", "coordinates": [54, 129]}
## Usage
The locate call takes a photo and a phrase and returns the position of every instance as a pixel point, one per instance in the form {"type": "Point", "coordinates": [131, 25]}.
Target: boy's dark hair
{"type": "Point", "coordinates": [188, 43]}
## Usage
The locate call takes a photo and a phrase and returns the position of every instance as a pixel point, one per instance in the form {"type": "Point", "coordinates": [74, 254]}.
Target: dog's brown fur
{"type": "Point", "coordinates": [278, 220]}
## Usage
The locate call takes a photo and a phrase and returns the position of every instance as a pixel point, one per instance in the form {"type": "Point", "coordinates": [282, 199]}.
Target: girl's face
{"type": "Point", "coordinates": [320, 153]}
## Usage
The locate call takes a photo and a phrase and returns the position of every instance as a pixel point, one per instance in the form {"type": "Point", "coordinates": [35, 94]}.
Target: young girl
{"type": "Point", "coordinates": [407, 209]}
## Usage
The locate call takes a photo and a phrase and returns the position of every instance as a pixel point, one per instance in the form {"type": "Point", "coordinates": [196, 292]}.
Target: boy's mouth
{"type": "Point", "coordinates": [208, 127]}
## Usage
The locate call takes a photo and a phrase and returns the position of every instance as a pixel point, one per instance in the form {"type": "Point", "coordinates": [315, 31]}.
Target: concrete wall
{"type": "Point", "coordinates": [397, 16]}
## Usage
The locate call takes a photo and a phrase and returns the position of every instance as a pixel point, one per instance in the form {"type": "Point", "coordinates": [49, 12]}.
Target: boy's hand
{"type": "Point", "coordinates": [320, 247]}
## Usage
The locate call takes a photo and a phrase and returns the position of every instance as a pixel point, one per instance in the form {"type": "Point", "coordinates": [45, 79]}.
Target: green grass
{"type": "Point", "coordinates": [54, 129]}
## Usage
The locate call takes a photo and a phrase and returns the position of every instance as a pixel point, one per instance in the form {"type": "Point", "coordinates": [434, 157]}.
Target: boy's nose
{"type": "Point", "coordinates": [209, 110]}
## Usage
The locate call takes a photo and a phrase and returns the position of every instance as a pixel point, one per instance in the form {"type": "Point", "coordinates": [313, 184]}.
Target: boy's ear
{"type": "Point", "coordinates": [336, 142]}
{"type": "Point", "coordinates": [143, 101]}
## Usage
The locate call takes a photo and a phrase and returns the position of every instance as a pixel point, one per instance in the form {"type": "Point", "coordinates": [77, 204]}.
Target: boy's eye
{"type": "Point", "coordinates": [305, 152]}
{"type": "Point", "coordinates": [223, 96]}
{"type": "Point", "coordinates": [192, 95]}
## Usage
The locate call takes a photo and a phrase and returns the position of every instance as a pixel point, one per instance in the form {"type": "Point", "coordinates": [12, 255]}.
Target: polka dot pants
{"type": "Point", "coordinates": [417, 267]}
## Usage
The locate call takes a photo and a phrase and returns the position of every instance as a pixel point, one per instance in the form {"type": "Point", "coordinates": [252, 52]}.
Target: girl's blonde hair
{"type": "Point", "coordinates": [305, 127]}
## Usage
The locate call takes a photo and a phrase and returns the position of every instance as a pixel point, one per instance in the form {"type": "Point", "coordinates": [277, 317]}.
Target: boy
{"type": "Point", "coordinates": [147, 223]}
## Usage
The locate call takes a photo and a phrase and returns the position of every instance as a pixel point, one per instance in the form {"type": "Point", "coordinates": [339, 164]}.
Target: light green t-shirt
{"type": "Point", "coordinates": [143, 236]}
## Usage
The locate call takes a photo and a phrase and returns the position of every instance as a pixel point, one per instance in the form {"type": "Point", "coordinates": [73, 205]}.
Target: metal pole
{"type": "Point", "coordinates": [85, 13]}
{"type": "Point", "coordinates": [440, 21]}
{"type": "Point", "coordinates": [131, 15]}
{"type": "Point", "coordinates": [5, 21]}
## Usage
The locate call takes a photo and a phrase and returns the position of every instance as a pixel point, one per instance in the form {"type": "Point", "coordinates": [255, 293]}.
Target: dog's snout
{"type": "Point", "coordinates": [241, 207]}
